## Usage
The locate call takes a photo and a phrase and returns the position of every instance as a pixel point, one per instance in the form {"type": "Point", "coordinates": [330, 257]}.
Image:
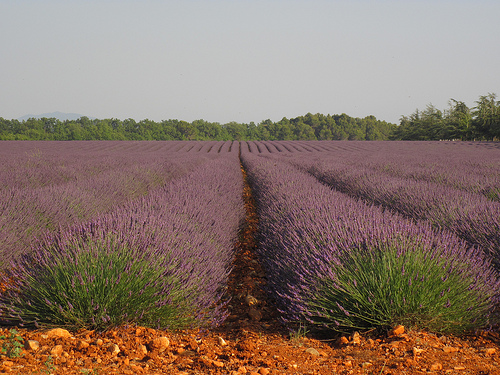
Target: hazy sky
{"type": "Point", "coordinates": [245, 60]}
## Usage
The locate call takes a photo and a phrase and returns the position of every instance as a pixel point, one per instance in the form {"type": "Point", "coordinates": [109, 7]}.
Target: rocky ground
{"type": "Point", "coordinates": [251, 341]}
{"type": "Point", "coordinates": [139, 350]}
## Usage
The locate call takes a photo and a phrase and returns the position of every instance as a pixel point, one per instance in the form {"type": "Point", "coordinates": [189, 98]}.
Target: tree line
{"type": "Point", "coordinates": [308, 127]}
{"type": "Point", "coordinates": [458, 122]}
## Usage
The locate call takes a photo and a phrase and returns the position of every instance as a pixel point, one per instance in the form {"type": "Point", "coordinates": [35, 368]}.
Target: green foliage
{"type": "Point", "coordinates": [458, 122]}
{"type": "Point", "coordinates": [100, 284]}
{"type": "Point", "coordinates": [380, 288]}
{"type": "Point", "coordinates": [89, 372]}
{"type": "Point", "coordinates": [308, 127]}
{"type": "Point", "coordinates": [487, 117]}
{"type": "Point", "coordinates": [12, 346]}
{"type": "Point", "coordinates": [49, 364]}
{"type": "Point", "coordinates": [299, 333]}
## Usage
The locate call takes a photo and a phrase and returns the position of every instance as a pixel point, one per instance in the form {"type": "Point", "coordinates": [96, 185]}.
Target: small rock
{"type": "Point", "coordinates": [56, 351]}
{"type": "Point", "coordinates": [251, 301]}
{"type": "Point", "coordinates": [490, 351]}
{"type": "Point", "coordinates": [221, 341]}
{"type": "Point", "coordinates": [450, 349]}
{"type": "Point", "coordinates": [242, 370]}
{"type": "Point", "coordinates": [417, 351]}
{"type": "Point", "coordinates": [348, 363]}
{"type": "Point", "coordinates": [136, 369]}
{"type": "Point", "coordinates": [436, 366]}
{"type": "Point", "coordinates": [254, 314]}
{"type": "Point", "coordinates": [114, 349]}
{"type": "Point", "coordinates": [31, 345]}
{"type": "Point", "coordinates": [186, 353]}
{"type": "Point", "coordinates": [366, 365]}
{"type": "Point", "coordinates": [218, 363]}
{"type": "Point", "coordinates": [344, 340]}
{"type": "Point", "coordinates": [58, 333]}
{"type": "Point", "coordinates": [99, 342]}
{"type": "Point", "coordinates": [312, 351]}
{"type": "Point", "coordinates": [82, 345]}
{"type": "Point", "coordinates": [160, 343]}
{"type": "Point", "coordinates": [8, 363]}
{"type": "Point", "coordinates": [356, 338]}
{"type": "Point", "coordinates": [206, 361]}
{"type": "Point", "coordinates": [142, 349]}
{"type": "Point", "coordinates": [264, 371]}
{"type": "Point", "coordinates": [398, 330]}
{"type": "Point", "coordinates": [459, 368]}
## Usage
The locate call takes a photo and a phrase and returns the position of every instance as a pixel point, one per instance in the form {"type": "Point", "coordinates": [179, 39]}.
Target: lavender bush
{"type": "Point", "coordinates": [335, 262]}
{"type": "Point", "coordinates": [95, 282]}
{"type": "Point", "coordinates": [160, 260]}
{"type": "Point", "coordinates": [405, 282]}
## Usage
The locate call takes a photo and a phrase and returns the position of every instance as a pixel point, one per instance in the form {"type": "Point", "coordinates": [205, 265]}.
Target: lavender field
{"type": "Point", "coordinates": [352, 235]}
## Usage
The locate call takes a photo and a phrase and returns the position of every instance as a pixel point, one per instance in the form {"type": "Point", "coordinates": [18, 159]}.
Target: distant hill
{"type": "Point", "coordinates": [58, 115]}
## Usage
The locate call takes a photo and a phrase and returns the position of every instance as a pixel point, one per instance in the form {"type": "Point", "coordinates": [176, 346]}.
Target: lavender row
{"type": "Point", "coordinates": [45, 163]}
{"type": "Point", "coordinates": [161, 260]}
{"type": "Point", "coordinates": [58, 184]}
{"type": "Point", "coordinates": [471, 167]}
{"type": "Point", "coordinates": [472, 216]}
{"type": "Point", "coordinates": [337, 262]}
{"type": "Point", "coordinates": [27, 213]}
{"type": "Point", "coordinates": [474, 168]}
{"type": "Point", "coordinates": [467, 166]}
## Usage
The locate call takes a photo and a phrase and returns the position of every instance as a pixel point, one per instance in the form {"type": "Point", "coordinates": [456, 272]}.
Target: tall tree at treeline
{"type": "Point", "coordinates": [308, 127]}
{"type": "Point", "coordinates": [458, 122]}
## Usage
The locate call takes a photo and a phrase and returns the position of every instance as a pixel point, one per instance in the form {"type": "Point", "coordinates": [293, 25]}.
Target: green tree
{"type": "Point", "coordinates": [236, 131]}
{"type": "Point", "coordinates": [266, 130]}
{"type": "Point", "coordinates": [457, 121]}
{"type": "Point", "coordinates": [285, 132]}
{"type": "Point", "coordinates": [324, 132]}
{"type": "Point", "coordinates": [187, 131]}
{"type": "Point", "coordinates": [303, 131]}
{"type": "Point", "coordinates": [487, 117]}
